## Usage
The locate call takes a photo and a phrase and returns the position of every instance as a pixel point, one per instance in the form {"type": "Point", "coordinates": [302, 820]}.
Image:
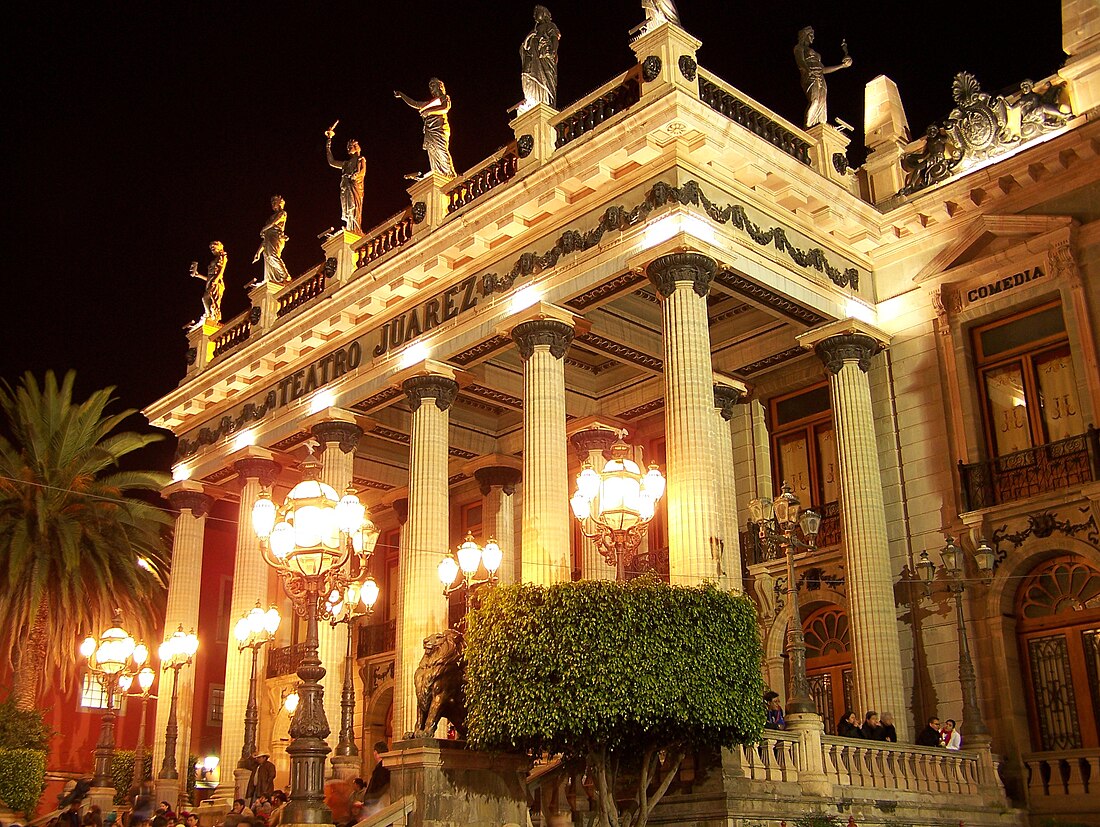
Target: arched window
{"type": "Point", "coordinates": [829, 662]}
{"type": "Point", "coordinates": [1058, 607]}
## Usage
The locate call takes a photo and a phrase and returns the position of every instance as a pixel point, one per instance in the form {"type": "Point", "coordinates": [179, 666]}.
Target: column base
{"type": "Point", "coordinates": [168, 789]}
{"type": "Point", "coordinates": [346, 767]}
{"type": "Point", "coordinates": [103, 797]}
{"type": "Point", "coordinates": [455, 785]}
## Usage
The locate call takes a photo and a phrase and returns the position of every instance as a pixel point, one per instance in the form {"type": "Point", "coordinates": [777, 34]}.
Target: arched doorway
{"type": "Point", "coordinates": [829, 662]}
{"type": "Point", "coordinates": [1058, 607]}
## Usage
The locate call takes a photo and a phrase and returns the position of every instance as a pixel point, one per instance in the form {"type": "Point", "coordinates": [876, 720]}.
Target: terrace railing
{"type": "Point", "coordinates": [500, 170]}
{"type": "Point", "coordinates": [234, 333]}
{"type": "Point", "coordinates": [308, 287]}
{"type": "Point", "coordinates": [284, 660]}
{"type": "Point", "coordinates": [589, 112]}
{"type": "Point", "coordinates": [376, 639]}
{"type": "Point", "coordinates": [387, 236]}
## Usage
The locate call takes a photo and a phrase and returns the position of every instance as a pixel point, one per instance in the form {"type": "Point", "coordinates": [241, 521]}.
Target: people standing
{"type": "Point", "coordinates": [773, 711]}
{"type": "Point", "coordinates": [949, 735]}
{"type": "Point", "coordinates": [262, 782]}
{"type": "Point", "coordinates": [871, 729]}
{"type": "Point", "coordinates": [378, 789]}
{"type": "Point", "coordinates": [848, 726]}
{"type": "Point", "coordinates": [888, 732]}
{"type": "Point", "coordinates": [930, 735]}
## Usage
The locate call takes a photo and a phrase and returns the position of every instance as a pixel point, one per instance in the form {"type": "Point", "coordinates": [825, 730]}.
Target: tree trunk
{"type": "Point", "coordinates": [30, 661]}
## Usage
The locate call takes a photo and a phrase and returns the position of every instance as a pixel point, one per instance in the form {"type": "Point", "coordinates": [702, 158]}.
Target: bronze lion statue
{"type": "Point", "coordinates": [438, 684]}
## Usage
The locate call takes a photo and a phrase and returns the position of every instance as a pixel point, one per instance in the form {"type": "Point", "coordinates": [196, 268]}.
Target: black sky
{"type": "Point", "coordinates": [134, 133]}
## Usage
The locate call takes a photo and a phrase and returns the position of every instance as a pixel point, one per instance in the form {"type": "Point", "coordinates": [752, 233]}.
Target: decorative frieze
{"type": "Point", "coordinates": [767, 297]}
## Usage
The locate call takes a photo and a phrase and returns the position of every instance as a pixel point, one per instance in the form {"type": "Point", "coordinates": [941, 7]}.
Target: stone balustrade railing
{"type": "Point", "coordinates": [899, 767]}
{"type": "Point", "coordinates": [589, 112]}
{"type": "Point", "coordinates": [389, 235]}
{"type": "Point", "coordinates": [774, 758]}
{"type": "Point", "coordinates": [500, 170]}
{"type": "Point", "coordinates": [741, 109]}
{"type": "Point", "coordinates": [301, 291]}
{"type": "Point", "coordinates": [1055, 779]}
{"type": "Point", "coordinates": [233, 333]}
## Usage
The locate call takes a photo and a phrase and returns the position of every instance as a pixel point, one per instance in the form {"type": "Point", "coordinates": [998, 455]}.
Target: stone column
{"type": "Point", "coordinates": [542, 343]}
{"type": "Point", "coordinates": [339, 437]}
{"type": "Point", "coordinates": [683, 282]}
{"type": "Point", "coordinates": [593, 445]}
{"type": "Point", "coordinates": [184, 588]}
{"type": "Point", "coordinates": [256, 470]}
{"type": "Point", "coordinates": [498, 485]}
{"type": "Point", "coordinates": [725, 397]}
{"type": "Point", "coordinates": [846, 349]}
{"type": "Point", "coordinates": [422, 609]}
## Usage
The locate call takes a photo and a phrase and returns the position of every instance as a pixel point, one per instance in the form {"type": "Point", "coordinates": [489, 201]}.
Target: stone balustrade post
{"type": "Point", "coordinates": [192, 505]}
{"type": "Point", "coordinates": [535, 135]}
{"type": "Point", "coordinates": [542, 335]}
{"type": "Point", "coordinates": [683, 282]}
{"type": "Point", "coordinates": [431, 191]}
{"type": "Point", "coordinates": [846, 349]}
{"type": "Point", "coordinates": [671, 53]}
{"type": "Point", "coordinates": [200, 344]}
{"type": "Point", "coordinates": [265, 296]}
{"type": "Point", "coordinates": [430, 389]}
{"type": "Point", "coordinates": [811, 753]}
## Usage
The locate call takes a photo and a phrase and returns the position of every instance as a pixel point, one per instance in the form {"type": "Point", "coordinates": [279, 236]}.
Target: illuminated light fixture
{"type": "Point", "coordinates": [291, 701]}
{"type": "Point", "coordinates": [322, 401]}
{"type": "Point", "coordinates": [414, 354]}
{"type": "Point", "coordinates": [467, 561]}
{"type": "Point", "coordinates": [862, 312]}
{"type": "Point", "coordinates": [523, 298]}
{"type": "Point", "coordinates": [673, 225]}
{"type": "Point", "coordinates": [244, 439]}
{"type": "Point", "coordinates": [181, 472]}
{"type": "Point", "coordinates": [615, 506]}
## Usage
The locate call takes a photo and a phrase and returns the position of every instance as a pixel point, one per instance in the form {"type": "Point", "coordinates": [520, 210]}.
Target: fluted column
{"type": "Point", "coordinates": [498, 485]}
{"type": "Point", "coordinates": [339, 438]}
{"type": "Point", "coordinates": [694, 532]}
{"type": "Point", "coordinates": [547, 557]}
{"type": "Point", "coordinates": [725, 397]}
{"type": "Point", "coordinates": [422, 610]}
{"type": "Point", "coordinates": [192, 505]}
{"type": "Point", "coordinates": [876, 662]}
{"type": "Point", "coordinates": [256, 470]}
{"type": "Point", "coordinates": [593, 445]}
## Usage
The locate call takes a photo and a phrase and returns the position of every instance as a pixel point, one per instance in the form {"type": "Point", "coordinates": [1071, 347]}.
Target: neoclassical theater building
{"type": "Point", "coordinates": [910, 345]}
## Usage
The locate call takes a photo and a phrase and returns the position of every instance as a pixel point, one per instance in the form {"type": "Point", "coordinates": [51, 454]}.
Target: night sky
{"type": "Point", "coordinates": [135, 133]}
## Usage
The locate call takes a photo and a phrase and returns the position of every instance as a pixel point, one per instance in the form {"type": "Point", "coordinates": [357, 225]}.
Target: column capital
{"type": "Point", "coordinates": [847, 340]}
{"type": "Point", "coordinates": [504, 477]}
{"type": "Point", "coordinates": [596, 438]}
{"type": "Point", "coordinates": [341, 432]}
{"type": "Point", "coordinates": [256, 463]}
{"type": "Point", "coordinates": [668, 271]}
{"type": "Point", "coordinates": [188, 495]}
{"type": "Point", "coordinates": [725, 397]}
{"type": "Point", "coordinates": [552, 332]}
{"type": "Point", "coordinates": [442, 389]}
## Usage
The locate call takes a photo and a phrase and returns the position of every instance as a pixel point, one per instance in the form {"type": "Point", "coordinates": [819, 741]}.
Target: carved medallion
{"type": "Point", "coordinates": [525, 145]}
{"type": "Point", "coordinates": [651, 68]}
{"type": "Point", "coordinates": [254, 315]}
{"type": "Point", "coordinates": [419, 212]}
{"type": "Point", "coordinates": [688, 67]}
{"type": "Point", "coordinates": [192, 355]}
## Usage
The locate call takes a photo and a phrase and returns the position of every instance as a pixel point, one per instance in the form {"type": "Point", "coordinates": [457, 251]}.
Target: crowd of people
{"type": "Point", "coordinates": [874, 727]}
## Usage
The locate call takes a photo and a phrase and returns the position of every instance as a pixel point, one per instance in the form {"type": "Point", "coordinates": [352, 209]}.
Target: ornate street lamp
{"type": "Point", "coordinates": [615, 506]}
{"type": "Point", "coordinates": [177, 651]}
{"type": "Point", "coordinates": [953, 560]}
{"type": "Point", "coordinates": [113, 658]}
{"type": "Point", "coordinates": [467, 561]}
{"type": "Point", "coordinates": [254, 631]}
{"type": "Point", "coordinates": [777, 520]}
{"type": "Point", "coordinates": [356, 601]}
{"type": "Point", "coordinates": [309, 540]}
{"type": "Point", "coordinates": [145, 680]}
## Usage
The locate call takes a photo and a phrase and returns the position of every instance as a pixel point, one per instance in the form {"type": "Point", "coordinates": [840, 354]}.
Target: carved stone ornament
{"type": "Point", "coordinates": [419, 212]}
{"type": "Point", "coordinates": [725, 397]}
{"type": "Point", "coordinates": [192, 355]}
{"type": "Point", "coordinates": [254, 315]}
{"type": "Point", "coordinates": [345, 434]}
{"type": "Point", "coordinates": [527, 335]}
{"type": "Point", "coordinates": [848, 347]}
{"type": "Point", "coordinates": [593, 439]}
{"type": "Point", "coordinates": [666, 271]}
{"type": "Point", "coordinates": [651, 68]}
{"type": "Point", "coordinates": [330, 267]}
{"type": "Point", "coordinates": [401, 509]}
{"type": "Point", "coordinates": [688, 67]}
{"type": "Point", "coordinates": [840, 162]}
{"type": "Point", "coordinates": [525, 145]}
{"type": "Point", "coordinates": [257, 468]}
{"type": "Point", "coordinates": [497, 476]}
{"type": "Point", "coordinates": [196, 502]}
{"type": "Point", "coordinates": [442, 389]}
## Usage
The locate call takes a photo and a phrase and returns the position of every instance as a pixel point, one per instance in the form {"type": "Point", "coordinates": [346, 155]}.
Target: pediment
{"type": "Point", "coordinates": [988, 235]}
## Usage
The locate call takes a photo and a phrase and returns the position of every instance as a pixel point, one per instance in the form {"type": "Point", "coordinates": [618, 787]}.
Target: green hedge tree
{"type": "Point", "coordinates": [628, 676]}
{"type": "Point", "coordinates": [22, 778]}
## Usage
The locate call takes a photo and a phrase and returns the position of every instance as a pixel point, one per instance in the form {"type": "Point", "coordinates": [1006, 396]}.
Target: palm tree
{"type": "Point", "coordinates": [74, 543]}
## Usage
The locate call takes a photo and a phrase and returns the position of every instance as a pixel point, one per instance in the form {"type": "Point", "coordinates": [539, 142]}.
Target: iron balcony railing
{"type": "Point", "coordinates": [376, 639]}
{"type": "Point", "coordinates": [284, 660]}
{"type": "Point", "coordinates": [1066, 463]}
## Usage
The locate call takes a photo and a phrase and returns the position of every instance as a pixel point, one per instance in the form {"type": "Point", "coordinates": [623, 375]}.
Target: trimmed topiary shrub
{"type": "Point", "coordinates": [122, 772]}
{"type": "Point", "coordinates": [628, 676]}
{"type": "Point", "coordinates": [22, 778]}
{"type": "Point", "coordinates": [22, 729]}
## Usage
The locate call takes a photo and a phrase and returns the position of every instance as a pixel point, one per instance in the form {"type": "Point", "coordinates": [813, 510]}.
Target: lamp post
{"type": "Point", "coordinates": [177, 651]}
{"type": "Point", "coordinates": [357, 601]}
{"type": "Point", "coordinates": [467, 561]}
{"type": "Point", "coordinates": [145, 680]}
{"type": "Point", "coordinates": [615, 506]}
{"type": "Point", "coordinates": [113, 658]}
{"type": "Point", "coordinates": [254, 631]}
{"type": "Point", "coordinates": [777, 520]}
{"type": "Point", "coordinates": [309, 541]}
{"type": "Point", "coordinates": [952, 565]}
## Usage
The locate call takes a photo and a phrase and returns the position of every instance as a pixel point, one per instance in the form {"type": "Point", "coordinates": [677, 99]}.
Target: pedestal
{"type": "Point", "coordinates": [168, 789]}
{"type": "Point", "coordinates": [212, 811]}
{"type": "Point", "coordinates": [811, 771]}
{"type": "Point", "coordinates": [104, 797]}
{"type": "Point", "coordinates": [457, 786]}
{"type": "Point", "coordinates": [346, 767]}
